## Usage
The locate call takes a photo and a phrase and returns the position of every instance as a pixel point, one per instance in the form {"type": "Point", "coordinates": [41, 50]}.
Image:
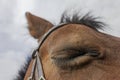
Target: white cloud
{"type": "Point", "coordinates": [10, 64]}
{"type": "Point", "coordinates": [7, 9]}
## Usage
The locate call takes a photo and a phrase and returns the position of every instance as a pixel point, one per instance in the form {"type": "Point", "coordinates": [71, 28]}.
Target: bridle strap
{"type": "Point", "coordinates": [48, 33]}
{"type": "Point", "coordinates": [36, 65]}
{"type": "Point", "coordinates": [37, 59]}
{"type": "Point", "coordinates": [33, 70]}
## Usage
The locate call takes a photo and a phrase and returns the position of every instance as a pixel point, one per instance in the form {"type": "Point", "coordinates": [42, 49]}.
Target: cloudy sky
{"type": "Point", "coordinates": [16, 43]}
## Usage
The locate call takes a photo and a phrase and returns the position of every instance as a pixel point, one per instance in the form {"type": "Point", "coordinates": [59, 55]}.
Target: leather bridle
{"type": "Point", "coordinates": [37, 63]}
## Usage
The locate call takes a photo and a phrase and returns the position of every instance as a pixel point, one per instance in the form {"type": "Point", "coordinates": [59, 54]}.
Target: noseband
{"type": "Point", "coordinates": [37, 63]}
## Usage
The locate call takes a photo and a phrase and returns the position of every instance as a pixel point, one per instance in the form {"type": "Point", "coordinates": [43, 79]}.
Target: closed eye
{"type": "Point", "coordinates": [69, 54]}
{"type": "Point", "coordinates": [72, 57]}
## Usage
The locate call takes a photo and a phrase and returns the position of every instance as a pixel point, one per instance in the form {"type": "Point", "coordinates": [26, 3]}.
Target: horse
{"type": "Point", "coordinates": [77, 50]}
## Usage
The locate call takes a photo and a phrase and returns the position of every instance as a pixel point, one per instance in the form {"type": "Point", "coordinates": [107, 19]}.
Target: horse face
{"type": "Point", "coordinates": [75, 45]}
{"type": "Point", "coordinates": [76, 52]}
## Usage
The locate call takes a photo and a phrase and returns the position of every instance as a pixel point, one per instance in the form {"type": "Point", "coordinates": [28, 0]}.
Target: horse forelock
{"type": "Point", "coordinates": [87, 19]}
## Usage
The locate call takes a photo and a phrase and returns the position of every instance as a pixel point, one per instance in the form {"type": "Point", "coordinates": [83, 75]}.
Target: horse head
{"type": "Point", "coordinates": [77, 50]}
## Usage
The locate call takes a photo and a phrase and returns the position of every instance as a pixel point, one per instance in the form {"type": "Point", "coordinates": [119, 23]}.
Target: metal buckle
{"type": "Point", "coordinates": [42, 78]}
{"type": "Point", "coordinates": [34, 53]}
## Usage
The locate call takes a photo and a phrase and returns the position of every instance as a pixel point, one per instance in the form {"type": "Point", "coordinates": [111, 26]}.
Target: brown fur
{"type": "Point", "coordinates": [61, 51]}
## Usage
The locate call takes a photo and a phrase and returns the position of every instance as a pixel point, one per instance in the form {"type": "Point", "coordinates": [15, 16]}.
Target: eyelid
{"type": "Point", "coordinates": [73, 51]}
{"type": "Point", "coordinates": [66, 53]}
{"type": "Point", "coordinates": [93, 54]}
{"type": "Point", "coordinates": [69, 58]}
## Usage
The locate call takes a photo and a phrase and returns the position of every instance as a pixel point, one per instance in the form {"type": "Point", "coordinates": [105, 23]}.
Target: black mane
{"type": "Point", "coordinates": [87, 20]}
{"type": "Point", "coordinates": [23, 69]}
